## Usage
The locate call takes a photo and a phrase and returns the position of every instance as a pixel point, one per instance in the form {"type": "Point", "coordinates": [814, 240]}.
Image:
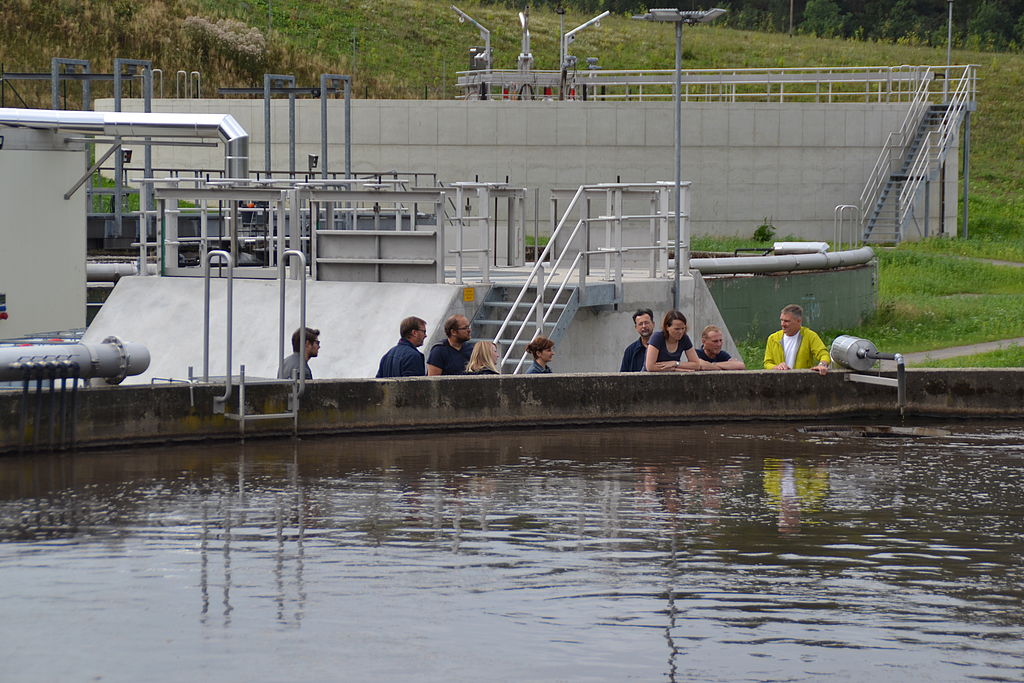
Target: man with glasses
{"type": "Point", "coordinates": [403, 359]}
{"type": "Point", "coordinates": [451, 355]}
{"type": "Point", "coordinates": [290, 366]}
{"type": "Point", "coordinates": [635, 354]}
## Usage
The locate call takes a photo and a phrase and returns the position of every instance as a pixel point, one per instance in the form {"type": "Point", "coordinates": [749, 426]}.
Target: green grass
{"type": "Point", "coordinates": [1010, 357]}
{"type": "Point", "coordinates": [905, 272]}
{"type": "Point", "coordinates": [926, 301]}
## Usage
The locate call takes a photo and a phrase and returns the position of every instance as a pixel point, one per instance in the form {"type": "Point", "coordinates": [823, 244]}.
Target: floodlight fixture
{"type": "Point", "coordinates": [484, 34]}
{"type": "Point", "coordinates": [570, 36]}
{"type": "Point", "coordinates": [680, 17]}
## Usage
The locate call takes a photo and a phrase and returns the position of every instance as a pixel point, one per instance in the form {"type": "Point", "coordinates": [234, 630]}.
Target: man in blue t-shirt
{"type": "Point", "coordinates": [403, 359]}
{"type": "Point", "coordinates": [451, 355]}
{"type": "Point", "coordinates": [711, 340]}
{"type": "Point", "coordinates": [635, 354]}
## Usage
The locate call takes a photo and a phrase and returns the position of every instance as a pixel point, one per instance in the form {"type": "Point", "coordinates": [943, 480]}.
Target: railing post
{"type": "Point", "coordinates": [540, 301]}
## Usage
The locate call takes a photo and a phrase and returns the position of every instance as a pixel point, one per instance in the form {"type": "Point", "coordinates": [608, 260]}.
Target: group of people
{"type": "Point", "coordinates": [669, 349]}
{"type": "Point", "coordinates": [455, 354]}
{"type": "Point", "coordinates": [793, 347]}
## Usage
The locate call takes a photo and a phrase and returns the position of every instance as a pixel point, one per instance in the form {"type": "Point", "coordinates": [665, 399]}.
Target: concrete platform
{"type": "Point", "coordinates": [357, 322]}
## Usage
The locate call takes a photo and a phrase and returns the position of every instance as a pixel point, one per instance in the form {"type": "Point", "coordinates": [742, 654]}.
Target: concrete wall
{"type": "Point", "coordinates": [358, 322]}
{"type": "Point", "coordinates": [834, 299]}
{"type": "Point", "coordinates": [598, 336]}
{"type": "Point", "coordinates": [151, 414]}
{"type": "Point", "coordinates": [42, 235]}
{"type": "Point", "coordinates": [789, 162]}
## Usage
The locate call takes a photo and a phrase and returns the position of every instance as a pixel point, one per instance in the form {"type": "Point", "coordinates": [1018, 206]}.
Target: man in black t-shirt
{"type": "Point", "coordinates": [711, 340]}
{"type": "Point", "coordinates": [451, 355]}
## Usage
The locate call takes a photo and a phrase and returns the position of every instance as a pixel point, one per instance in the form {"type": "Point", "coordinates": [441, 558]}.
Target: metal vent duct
{"type": "Point", "coordinates": [137, 125]}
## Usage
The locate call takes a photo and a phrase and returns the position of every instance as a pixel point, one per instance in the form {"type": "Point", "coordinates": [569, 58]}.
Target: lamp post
{"type": "Point", "coordinates": [949, 51]}
{"type": "Point", "coordinates": [680, 17]}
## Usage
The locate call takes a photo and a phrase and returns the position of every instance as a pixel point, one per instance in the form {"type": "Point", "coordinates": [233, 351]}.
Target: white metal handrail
{"type": "Point", "coordinates": [895, 146]}
{"type": "Point", "coordinates": [558, 277]}
{"type": "Point", "coordinates": [538, 268]}
{"type": "Point", "coordinates": [936, 145]}
{"type": "Point", "coordinates": [878, 83]}
{"type": "Point", "coordinates": [933, 149]}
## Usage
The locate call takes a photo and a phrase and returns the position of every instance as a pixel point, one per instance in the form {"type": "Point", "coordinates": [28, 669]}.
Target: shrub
{"type": "Point", "coordinates": [764, 232]}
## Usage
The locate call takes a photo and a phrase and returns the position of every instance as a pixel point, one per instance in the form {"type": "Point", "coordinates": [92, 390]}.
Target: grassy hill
{"type": "Point", "coordinates": [412, 49]}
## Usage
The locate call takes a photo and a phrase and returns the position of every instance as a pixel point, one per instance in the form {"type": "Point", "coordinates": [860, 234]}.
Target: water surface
{"type": "Point", "coordinates": [719, 553]}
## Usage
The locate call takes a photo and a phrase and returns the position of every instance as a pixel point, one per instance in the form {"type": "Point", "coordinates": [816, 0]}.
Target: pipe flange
{"type": "Point", "coordinates": [122, 360]}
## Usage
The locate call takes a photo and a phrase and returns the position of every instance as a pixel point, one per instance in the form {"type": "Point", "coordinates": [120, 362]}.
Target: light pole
{"type": "Point", "coordinates": [680, 17]}
{"type": "Point", "coordinates": [949, 51]}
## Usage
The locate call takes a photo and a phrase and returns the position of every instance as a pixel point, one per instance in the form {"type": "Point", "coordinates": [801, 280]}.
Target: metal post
{"type": "Point", "coordinates": [949, 52]}
{"type": "Point", "coordinates": [677, 95]}
{"type": "Point", "coordinates": [266, 125]}
{"type": "Point", "coordinates": [967, 167]}
{"type": "Point", "coordinates": [928, 206]}
{"type": "Point", "coordinates": [291, 135]}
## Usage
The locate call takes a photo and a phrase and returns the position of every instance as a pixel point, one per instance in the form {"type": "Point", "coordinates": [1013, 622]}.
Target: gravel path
{"type": "Point", "coordinates": [953, 352]}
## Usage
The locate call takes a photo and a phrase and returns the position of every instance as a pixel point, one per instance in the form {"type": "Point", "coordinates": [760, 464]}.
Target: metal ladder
{"type": "Point", "coordinates": [296, 384]}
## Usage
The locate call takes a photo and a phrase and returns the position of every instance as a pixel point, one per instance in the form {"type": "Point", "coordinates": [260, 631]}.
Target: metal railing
{"type": "Point", "coordinates": [897, 145]}
{"type": "Point", "coordinates": [936, 145]}
{"type": "Point", "coordinates": [573, 260]}
{"type": "Point", "coordinates": [825, 84]}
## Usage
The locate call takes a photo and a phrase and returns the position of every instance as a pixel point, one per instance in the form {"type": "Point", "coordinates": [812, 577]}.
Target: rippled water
{"type": "Point", "coordinates": [733, 553]}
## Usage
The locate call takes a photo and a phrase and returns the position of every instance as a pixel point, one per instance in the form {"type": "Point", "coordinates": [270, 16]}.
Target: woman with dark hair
{"type": "Point", "coordinates": [670, 349]}
{"type": "Point", "coordinates": [483, 360]}
{"type": "Point", "coordinates": [543, 350]}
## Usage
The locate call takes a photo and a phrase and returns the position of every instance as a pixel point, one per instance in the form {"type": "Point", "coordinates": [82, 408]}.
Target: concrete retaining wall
{"type": "Point", "coordinates": [789, 162]}
{"type": "Point", "coordinates": [121, 416]}
{"type": "Point", "coordinates": [832, 300]}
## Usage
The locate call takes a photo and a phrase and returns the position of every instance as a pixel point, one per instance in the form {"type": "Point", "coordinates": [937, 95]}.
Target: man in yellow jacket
{"type": "Point", "coordinates": [795, 347]}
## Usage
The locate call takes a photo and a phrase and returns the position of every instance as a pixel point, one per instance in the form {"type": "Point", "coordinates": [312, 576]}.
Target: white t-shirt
{"type": "Point", "coordinates": [790, 345]}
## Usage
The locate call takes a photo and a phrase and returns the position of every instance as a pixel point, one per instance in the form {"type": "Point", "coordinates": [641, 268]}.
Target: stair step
{"type": "Point", "coordinates": [522, 304]}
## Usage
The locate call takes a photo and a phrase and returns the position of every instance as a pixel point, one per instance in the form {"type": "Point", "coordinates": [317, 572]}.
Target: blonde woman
{"type": "Point", "coordinates": [483, 360]}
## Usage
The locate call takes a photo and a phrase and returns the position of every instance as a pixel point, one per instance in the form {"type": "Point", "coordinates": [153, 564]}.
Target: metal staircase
{"type": "Point", "coordinates": [912, 155]}
{"type": "Point", "coordinates": [882, 222]}
{"type": "Point", "coordinates": [564, 279]}
{"type": "Point", "coordinates": [512, 323]}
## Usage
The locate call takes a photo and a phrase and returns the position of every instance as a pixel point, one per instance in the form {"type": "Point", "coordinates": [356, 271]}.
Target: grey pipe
{"type": "Point", "coordinates": [140, 125]}
{"type": "Point", "coordinates": [112, 272]}
{"type": "Point", "coordinates": [772, 264]}
{"type": "Point", "coordinates": [112, 359]}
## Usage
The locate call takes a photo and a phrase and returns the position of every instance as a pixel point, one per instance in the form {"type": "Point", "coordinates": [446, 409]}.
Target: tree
{"type": "Point", "coordinates": [823, 18]}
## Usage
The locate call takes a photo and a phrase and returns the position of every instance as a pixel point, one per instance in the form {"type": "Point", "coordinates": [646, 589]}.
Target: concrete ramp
{"type": "Point", "coordinates": [358, 322]}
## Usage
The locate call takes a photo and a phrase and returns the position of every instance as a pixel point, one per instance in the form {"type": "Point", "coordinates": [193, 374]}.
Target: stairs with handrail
{"type": "Point", "coordinates": [883, 222]}
{"type": "Point", "coordinates": [559, 309]}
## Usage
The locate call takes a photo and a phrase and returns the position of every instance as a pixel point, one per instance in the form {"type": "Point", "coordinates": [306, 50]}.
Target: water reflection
{"type": "Point", "coordinates": [751, 552]}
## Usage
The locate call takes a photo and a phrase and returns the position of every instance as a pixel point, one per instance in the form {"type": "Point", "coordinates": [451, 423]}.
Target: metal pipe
{"type": "Point", "coordinates": [771, 264]}
{"type": "Point", "coordinates": [901, 380]}
{"type": "Point", "coordinates": [142, 124]}
{"type": "Point", "coordinates": [302, 313]}
{"type": "Point", "coordinates": [217, 400]}
{"type": "Point", "coordinates": [111, 359]}
{"type": "Point", "coordinates": [112, 272]}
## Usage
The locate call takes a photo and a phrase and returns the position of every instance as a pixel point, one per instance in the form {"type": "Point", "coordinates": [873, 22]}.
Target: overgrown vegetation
{"type": "Point", "coordinates": [989, 24]}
